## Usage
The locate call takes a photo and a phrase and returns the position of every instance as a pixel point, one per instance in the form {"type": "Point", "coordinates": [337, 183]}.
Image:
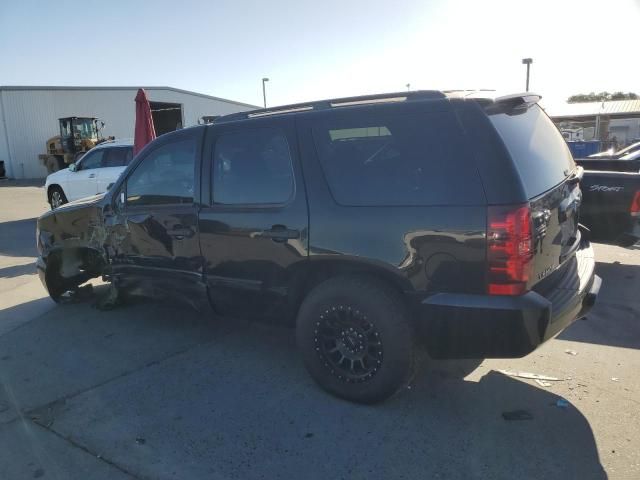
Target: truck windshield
{"type": "Point", "coordinates": [538, 150]}
{"type": "Point", "coordinates": [84, 129]}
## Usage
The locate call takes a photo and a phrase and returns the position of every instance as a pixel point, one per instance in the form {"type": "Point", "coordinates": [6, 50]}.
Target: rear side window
{"type": "Point", "coordinates": [394, 159]}
{"type": "Point", "coordinates": [538, 150]}
{"type": "Point", "coordinates": [252, 167]}
{"type": "Point", "coordinates": [118, 157]}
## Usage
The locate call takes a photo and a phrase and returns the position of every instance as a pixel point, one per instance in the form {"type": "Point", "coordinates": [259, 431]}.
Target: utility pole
{"type": "Point", "coordinates": [527, 62]}
{"type": "Point", "coordinates": [264, 91]}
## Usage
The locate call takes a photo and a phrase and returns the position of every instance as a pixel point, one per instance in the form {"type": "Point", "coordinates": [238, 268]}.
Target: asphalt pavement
{"type": "Point", "coordinates": [159, 391]}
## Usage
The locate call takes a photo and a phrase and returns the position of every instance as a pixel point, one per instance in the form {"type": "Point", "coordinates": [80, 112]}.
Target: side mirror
{"type": "Point", "coordinates": [73, 167]}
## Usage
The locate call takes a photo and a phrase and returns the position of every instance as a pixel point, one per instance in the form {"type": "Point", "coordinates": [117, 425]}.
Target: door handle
{"type": "Point", "coordinates": [280, 233]}
{"type": "Point", "coordinates": [92, 175]}
{"type": "Point", "coordinates": [180, 232]}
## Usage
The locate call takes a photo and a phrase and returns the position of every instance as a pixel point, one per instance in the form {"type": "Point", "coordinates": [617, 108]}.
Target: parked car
{"type": "Point", "coordinates": [380, 224]}
{"type": "Point", "coordinates": [91, 174]}
{"type": "Point", "coordinates": [630, 162]}
{"type": "Point", "coordinates": [611, 205]}
{"type": "Point", "coordinates": [611, 155]}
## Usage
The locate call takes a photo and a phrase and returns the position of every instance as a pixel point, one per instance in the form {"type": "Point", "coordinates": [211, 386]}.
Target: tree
{"type": "Point", "coordinates": [601, 97]}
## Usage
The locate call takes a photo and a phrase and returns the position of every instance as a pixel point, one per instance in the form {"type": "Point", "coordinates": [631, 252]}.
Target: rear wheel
{"type": "Point", "coordinates": [56, 197]}
{"type": "Point", "coordinates": [356, 339]}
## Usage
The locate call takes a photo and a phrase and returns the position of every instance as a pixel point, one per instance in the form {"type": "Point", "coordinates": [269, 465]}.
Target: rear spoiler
{"type": "Point", "coordinates": [510, 104]}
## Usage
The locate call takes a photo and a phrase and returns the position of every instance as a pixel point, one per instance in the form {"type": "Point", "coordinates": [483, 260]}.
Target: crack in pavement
{"type": "Point", "coordinates": [86, 450]}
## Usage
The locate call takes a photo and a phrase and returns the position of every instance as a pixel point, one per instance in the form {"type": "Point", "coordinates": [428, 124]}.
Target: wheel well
{"type": "Point", "coordinates": [71, 267]}
{"type": "Point", "coordinates": [50, 190]}
{"type": "Point", "coordinates": [319, 271]}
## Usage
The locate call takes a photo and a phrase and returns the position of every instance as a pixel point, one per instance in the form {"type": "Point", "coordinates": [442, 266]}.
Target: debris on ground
{"type": "Point", "coordinates": [530, 376]}
{"type": "Point", "coordinates": [615, 379]}
{"type": "Point", "coordinates": [517, 415]}
{"type": "Point", "coordinates": [140, 441]}
{"type": "Point", "coordinates": [543, 383]}
{"type": "Point", "coordinates": [571, 352]}
{"type": "Point", "coordinates": [562, 403]}
{"type": "Point", "coordinates": [77, 294]}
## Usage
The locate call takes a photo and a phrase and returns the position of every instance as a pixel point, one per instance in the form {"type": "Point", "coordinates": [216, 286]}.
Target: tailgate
{"type": "Point", "coordinates": [549, 178]}
{"type": "Point", "coordinates": [556, 237]}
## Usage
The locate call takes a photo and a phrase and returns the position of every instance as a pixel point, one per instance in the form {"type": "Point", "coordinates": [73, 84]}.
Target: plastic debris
{"type": "Point", "coordinates": [530, 376]}
{"type": "Point", "coordinates": [517, 415]}
{"type": "Point", "coordinates": [571, 352]}
{"type": "Point", "coordinates": [562, 403]}
{"type": "Point", "coordinates": [615, 379]}
{"type": "Point", "coordinates": [542, 383]}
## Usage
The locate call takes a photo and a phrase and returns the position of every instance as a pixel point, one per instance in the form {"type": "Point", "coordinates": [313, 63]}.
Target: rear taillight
{"type": "Point", "coordinates": [635, 205]}
{"type": "Point", "coordinates": [509, 249]}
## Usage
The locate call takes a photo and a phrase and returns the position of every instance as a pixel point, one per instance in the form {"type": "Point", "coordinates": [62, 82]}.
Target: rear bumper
{"type": "Point", "coordinates": [483, 326]}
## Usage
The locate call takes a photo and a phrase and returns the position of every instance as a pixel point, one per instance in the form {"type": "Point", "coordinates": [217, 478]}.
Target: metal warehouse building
{"type": "Point", "coordinates": [603, 121]}
{"type": "Point", "coordinates": [29, 116]}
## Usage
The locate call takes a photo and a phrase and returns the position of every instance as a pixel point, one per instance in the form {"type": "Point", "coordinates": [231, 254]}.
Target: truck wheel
{"type": "Point", "coordinates": [356, 339]}
{"type": "Point", "coordinates": [56, 197]}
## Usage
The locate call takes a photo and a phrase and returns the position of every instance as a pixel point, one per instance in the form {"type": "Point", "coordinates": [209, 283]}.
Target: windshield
{"type": "Point", "coordinates": [84, 128]}
{"type": "Point", "coordinates": [630, 149]}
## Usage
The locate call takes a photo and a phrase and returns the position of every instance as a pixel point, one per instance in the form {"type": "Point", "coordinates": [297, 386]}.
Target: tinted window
{"type": "Point", "coordinates": [540, 153]}
{"type": "Point", "coordinates": [165, 175]}
{"type": "Point", "coordinates": [410, 159]}
{"type": "Point", "coordinates": [252, 167]}
{"type": "Point", "coordinates": [92, 160]}
{"type": "Point", "coordinates": [118, 157]}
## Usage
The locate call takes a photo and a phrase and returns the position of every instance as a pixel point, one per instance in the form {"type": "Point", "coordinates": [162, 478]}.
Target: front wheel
{"type": "Point", "coordinates": [356, 339]}
{"type": "Point", "coordinates": [56, 197]}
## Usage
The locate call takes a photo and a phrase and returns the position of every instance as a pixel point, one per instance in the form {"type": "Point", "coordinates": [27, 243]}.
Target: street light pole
{"type": "Point", "coordinates": [264, 92]}
{"type": "Point", "coordinates": [408, 87]}
{"type": "Point", "coordinates": [527, 62]}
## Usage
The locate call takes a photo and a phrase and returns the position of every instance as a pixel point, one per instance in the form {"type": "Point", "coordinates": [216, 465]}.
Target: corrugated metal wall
{"type": "Point", "coordinates": [31, 117]}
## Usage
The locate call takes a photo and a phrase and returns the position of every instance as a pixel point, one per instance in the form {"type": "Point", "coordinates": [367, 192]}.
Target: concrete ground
{"type": "Point", "coordinates": [156, 391]}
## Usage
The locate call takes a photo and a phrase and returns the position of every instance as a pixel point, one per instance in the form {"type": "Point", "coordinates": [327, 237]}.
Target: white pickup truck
{"type": "Point", "coordinates": [91, 174]}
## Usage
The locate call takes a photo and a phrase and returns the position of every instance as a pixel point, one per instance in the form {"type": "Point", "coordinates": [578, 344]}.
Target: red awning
{"type": "Point", "coordinates": [145, 131]}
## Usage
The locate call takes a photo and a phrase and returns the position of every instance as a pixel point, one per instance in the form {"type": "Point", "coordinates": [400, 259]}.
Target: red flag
{"type": "Point", "coordinates": [145, 132]}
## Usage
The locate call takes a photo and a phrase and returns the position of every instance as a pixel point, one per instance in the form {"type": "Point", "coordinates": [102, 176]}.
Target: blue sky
{"type": "Point", "coordinates": [320, 49]}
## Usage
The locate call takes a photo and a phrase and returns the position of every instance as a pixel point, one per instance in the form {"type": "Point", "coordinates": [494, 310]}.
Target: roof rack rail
{"type": "Point", "coordinates": [333, 103]}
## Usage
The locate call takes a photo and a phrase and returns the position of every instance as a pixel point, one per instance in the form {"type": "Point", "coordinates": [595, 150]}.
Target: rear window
{"type": "Point", "coordinates": [378, 159]}
{"type": "Point", "coordinates": [540, 153]}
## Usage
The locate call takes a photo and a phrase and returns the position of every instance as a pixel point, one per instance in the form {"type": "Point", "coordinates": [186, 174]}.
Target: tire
{"type": "Point", "coordinates": [365, 322]}
{"type": "Point", "coordinates": [56, 197]}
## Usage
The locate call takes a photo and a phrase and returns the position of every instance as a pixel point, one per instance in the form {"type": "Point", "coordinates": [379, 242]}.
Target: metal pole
{"type": "Point", "coordinates": [527, 62]}
{"type": "Point", "coordinates": [264, 91]}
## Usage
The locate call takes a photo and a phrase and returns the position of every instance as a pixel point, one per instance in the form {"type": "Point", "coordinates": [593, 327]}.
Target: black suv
{"type": "Point", "coordinates": [445, 220]}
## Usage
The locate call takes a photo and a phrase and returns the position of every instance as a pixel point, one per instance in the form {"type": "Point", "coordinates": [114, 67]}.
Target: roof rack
{"type": "Point", "coordinates": [334, 103]}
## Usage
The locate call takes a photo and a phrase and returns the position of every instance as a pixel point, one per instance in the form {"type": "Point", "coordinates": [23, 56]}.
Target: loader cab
{"type": "Point", "coordinates": [78, 134]}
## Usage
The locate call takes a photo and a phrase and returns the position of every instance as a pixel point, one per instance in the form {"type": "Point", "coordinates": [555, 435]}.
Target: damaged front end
{"type": "Point", "coordinates": [70, 243]}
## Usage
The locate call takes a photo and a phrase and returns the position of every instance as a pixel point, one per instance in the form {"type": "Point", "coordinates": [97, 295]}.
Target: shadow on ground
{"type": "Point", "coordinates": [615, 319]}
{"type": "Point", "coordinates": [18, 238]}
{"type": "Point", "coordinates": [162, 392]}
{"type": "Point", "coordinates": [18, 270]}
